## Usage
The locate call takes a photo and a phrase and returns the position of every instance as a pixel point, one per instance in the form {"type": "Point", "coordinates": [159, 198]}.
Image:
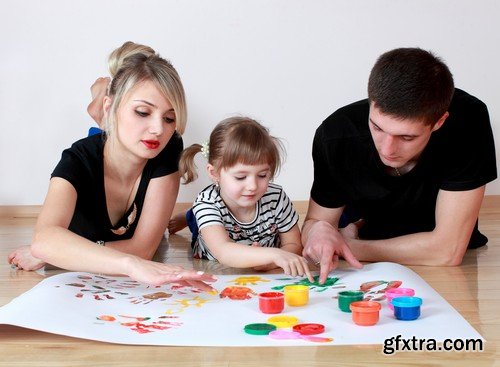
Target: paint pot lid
{"type": "Point", "coordinates": [309, 329]}
{"type": "Point", "coordinates": [283, 334]}
{"type": "Point", "coordinates": [392, 292]}
{"type": "Point", "coordinates": [406, 301]}
{"type": "Point", "coordinates": [259, 329]}
{"type": "Point", "coordinates": [283, 321]}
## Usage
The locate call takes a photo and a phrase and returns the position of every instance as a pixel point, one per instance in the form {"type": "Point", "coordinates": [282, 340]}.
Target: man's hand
{"type": "Point", "coordinates": [324, 246]}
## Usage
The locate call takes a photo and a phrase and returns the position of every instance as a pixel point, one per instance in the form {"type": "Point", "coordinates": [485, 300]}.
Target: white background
{"type": "Point", "coordinates": [287, 63]}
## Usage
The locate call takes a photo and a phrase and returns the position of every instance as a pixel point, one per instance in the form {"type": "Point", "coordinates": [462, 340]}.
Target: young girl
{"type": "Point", "coordinates": [111, 195]}
{"type": "Point", "coordinates": [243, 219]}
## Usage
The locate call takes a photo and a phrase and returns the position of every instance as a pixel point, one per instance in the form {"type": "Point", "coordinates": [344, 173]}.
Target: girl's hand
{"type": "Point", "coordinates": [24, 260]}
{"type": "Point", "coordinates": [292, 264]}
{"type": "Point", "coordinates": [155, 273]}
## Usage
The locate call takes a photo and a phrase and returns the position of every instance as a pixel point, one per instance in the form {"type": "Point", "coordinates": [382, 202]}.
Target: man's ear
{"type": "Point", "coordinates": [441, 121]}
{"type": "Point", "coordinates": [212, 173]}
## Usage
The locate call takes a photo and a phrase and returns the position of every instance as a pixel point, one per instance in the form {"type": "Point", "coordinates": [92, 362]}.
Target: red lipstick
{"type": "Point", "coordinates": [151, 144]}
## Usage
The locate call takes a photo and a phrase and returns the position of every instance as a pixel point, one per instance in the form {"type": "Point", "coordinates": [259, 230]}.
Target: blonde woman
{"type": "Point", "coordinates": [111, 195]}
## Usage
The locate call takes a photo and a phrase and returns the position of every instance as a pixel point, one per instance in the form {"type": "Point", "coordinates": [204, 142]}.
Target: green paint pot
{"type": "Point", "coordinates": [347, 297]}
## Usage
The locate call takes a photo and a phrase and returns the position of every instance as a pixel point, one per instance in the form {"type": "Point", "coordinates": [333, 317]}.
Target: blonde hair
{"type": "Point", "coordinates": [132, 64]}
{"type": "Point", "coordinates": [235, 140]}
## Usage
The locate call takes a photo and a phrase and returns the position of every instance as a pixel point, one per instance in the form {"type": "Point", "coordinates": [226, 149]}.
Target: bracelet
{"type": "Point", "coordinates": [100, 243]}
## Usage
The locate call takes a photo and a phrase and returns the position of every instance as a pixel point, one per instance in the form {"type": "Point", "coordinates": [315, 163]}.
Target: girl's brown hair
{"type": "Point", "coordinates": [235, 140]}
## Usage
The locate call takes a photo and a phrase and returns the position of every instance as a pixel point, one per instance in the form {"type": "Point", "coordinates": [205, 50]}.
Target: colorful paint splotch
{"type": "Point", "coordinates": [237, 293]}
{"type": "Point", "coordinates": [138, 323]}
{"type": "Point", "coordinates": [254, 280]}
{"type": "Point", "coordinates": [375, 290]}
{"type": "Point", "coordinates": [185, 303]}
{"type": "Point", "coordinates": [329, 282]}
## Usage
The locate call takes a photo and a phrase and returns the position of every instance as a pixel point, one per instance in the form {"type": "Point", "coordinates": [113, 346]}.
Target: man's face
{"type": "Point", "coordinates": [399, 141]}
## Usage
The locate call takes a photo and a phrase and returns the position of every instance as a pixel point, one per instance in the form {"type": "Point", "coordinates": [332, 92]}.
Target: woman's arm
{"type": "Point", "coordinates": [54, 243]}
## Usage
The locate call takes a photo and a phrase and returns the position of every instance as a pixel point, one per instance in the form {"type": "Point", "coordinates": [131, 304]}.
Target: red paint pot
{"type": "Point", "coordinates": [271, 302]}
{"type": "Point", "coordinates": [365, 313]}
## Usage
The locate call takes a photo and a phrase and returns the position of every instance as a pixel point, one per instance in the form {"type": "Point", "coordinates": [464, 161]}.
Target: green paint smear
{"type": "Point", "coordinates": [328, 283]}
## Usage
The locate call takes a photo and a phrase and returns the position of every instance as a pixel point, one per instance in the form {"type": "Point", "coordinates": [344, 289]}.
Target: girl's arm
{"type": "Point", "coordinates": [290, 241]}
{"type": "Point", "coordinates": [54, 243]}
{"type": "Point", "coordinates": [243, 256]}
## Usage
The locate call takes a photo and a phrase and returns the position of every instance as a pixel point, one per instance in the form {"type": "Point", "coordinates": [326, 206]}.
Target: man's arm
{"type": "Point", "coordinates": [322, 241]}
{"type": "Point", "coordinates": [456, 215]}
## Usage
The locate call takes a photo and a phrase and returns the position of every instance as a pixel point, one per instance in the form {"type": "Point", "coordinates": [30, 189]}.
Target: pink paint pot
{"type": "Point", "coordinates": [392, 293]}
{"type": "Point", "coordinates": [365, 313]}
{"type": "Point", "coordinates": [271, 302]}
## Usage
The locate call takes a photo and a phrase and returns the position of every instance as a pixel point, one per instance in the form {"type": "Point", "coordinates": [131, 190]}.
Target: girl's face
{"type": "Point", "coordinates": [242, 185]}
{"type": "Point", "coordinates": [145, 121]}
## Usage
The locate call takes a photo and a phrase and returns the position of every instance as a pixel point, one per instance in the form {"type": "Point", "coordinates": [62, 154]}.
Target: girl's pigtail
{"type": "Point", "coordinates": [187, 168]}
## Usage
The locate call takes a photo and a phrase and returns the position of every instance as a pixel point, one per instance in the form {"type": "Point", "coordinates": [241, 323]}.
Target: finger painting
{"type": "Point", "coordinates": [120, 310]}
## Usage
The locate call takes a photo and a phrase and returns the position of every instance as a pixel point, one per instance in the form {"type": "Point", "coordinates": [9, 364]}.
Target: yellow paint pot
{"type": "Point", "coordinates": [296, 295]}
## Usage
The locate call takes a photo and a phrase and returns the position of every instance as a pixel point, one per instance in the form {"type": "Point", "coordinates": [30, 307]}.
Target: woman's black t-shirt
{"type": "Point", "coordinates": [82, 166]}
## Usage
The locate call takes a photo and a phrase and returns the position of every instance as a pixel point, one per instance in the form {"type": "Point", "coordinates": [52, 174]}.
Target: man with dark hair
{"type": "Point", "coordinates": [405, 169]}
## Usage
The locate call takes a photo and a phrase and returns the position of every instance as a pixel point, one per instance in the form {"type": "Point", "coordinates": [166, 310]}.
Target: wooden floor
{"type": "Point", "coordinates": [472, 288]}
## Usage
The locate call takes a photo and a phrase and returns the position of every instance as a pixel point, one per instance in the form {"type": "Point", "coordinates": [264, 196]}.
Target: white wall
{"type": "Point", "coordinates": [287, 63]}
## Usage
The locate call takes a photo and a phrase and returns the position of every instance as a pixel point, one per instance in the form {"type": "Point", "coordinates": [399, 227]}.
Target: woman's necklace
{"type": "Point", "coordinates": [131, 217]}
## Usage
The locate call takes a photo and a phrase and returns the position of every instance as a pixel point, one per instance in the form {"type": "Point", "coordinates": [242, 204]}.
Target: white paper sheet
{"type": "Point", "coordinates": [78, 305]}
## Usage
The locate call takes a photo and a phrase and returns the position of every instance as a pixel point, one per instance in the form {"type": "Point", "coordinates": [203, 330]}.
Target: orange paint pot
{"type": "Point", "coordinates": [271, 302]}
{"type": "Point", "coordinates": [365, 313]}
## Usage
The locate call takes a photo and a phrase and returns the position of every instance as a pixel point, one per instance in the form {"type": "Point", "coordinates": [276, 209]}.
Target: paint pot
{"type": "Point", "coordinates": [271, 302]}
{"type": "Point", "coordinates": [392, 293]}
{"type": "Point", "coordinates": [365, 313]}
{"type": "Point", "coordinates": [296, 295]}
{"type": "Point", "coordinates": [407, 308]}
{"type": "Point", "coordinates": [347, 297]}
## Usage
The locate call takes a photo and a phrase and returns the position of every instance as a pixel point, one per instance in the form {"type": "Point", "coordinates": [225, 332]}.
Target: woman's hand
{"type": "Point", "coordinates": [155, 273]}
{"type": "Point", "coordinates": [24, 260]}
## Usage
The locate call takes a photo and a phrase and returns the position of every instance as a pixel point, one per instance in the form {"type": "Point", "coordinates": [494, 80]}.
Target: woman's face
{"type": "Point", "coordinates": [145, 121]}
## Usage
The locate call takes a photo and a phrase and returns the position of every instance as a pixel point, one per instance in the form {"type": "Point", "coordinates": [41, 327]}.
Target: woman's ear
{"type": "Point", "coordinates": [212, 173]}
{"type": "Point", "coordinates": [106, 105]}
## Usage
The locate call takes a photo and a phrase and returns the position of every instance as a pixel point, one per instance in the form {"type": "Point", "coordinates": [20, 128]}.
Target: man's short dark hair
{"type": "Point", "coordinates": [411, 83]}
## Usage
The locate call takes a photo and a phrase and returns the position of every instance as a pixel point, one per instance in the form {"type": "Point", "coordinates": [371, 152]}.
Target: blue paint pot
{"type": "Point", "coordinates": [407, 308]}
